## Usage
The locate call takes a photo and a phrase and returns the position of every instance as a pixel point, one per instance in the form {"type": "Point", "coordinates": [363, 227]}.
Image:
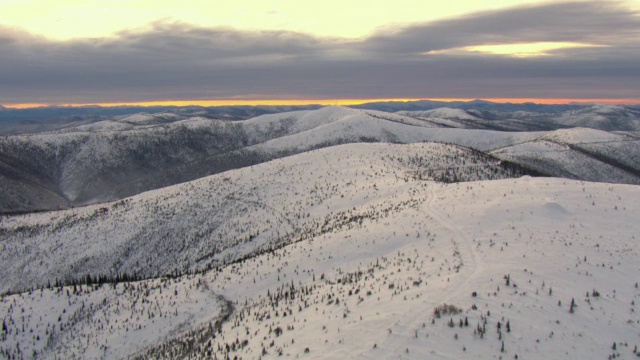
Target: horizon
{"type": "Point", "coordinates": [340, 179]}
{"type": "Point", "coordinates": [322, 102]}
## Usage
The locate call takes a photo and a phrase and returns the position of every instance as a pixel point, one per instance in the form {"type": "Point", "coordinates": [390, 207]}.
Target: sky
{"type": "Point", "coordinates": [77, 52]}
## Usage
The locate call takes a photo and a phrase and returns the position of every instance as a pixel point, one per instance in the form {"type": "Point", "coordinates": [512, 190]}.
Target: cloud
{"type": "Point", "coordinates": [599, 22]}
{"type": "Point", "coordinates": [173, 60]}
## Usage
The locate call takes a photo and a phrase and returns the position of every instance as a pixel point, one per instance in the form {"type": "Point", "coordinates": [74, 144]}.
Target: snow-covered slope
{"type": "Point", "coordinates": [442, 113]}
{"type": "Point", "coordinates": [122, 123]}
{"type": "Point", "coordinates": [580, 153]}
{"type": "Point", "coordinates": [537, 268]}
{"type": "Point", "coordinates": [484, 119]}
{"type": "Point", "coordinates": [218, 219]}
{"type": "Point", "coordinates": [111, 159]}
{"type": "Point", "coordinates": [603, 117]}
{"type": "Point", "coordinates": [447, 117]}
{"type": "Point", "coordinates": [599, 116]}
{"type": "Point", "coordinates": [268, 127]}
{"type": "Point", "coordinates": [356, 129]}
{"type": "Point", "coordinates": [107, 321]}
{"type": "Point", "coordinates": [150, 119]}
{"type": "Point", "coordinates": [510, 255]}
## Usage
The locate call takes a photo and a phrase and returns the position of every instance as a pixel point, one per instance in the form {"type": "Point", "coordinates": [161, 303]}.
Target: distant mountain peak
{"type": "Point", "coordinates": [606, 108]}
{"type": "Point", "coordinates": [446, 113]}
{"type": "Point", "coordinates": [480, 101]}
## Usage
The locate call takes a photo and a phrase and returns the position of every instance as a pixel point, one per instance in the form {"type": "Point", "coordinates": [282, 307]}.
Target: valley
{"type": "Point", "coordinates": [347, 233]}
{"type": "Point", "coordinates": [109, 160]}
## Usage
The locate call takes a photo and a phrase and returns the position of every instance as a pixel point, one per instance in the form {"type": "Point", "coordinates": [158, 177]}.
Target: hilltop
{"type": "Point", "coordinates": [112, 159]}
{"type": "Point", "coordinates": [349, 251]}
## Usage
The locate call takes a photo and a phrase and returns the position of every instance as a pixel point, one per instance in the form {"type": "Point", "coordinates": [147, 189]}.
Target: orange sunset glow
{"type": "Point", "coordinates": [338, 179]}
{"type": "Point", "coordinates": [252, 53]}
{"type": "Point", "coordinates": [326, 102]}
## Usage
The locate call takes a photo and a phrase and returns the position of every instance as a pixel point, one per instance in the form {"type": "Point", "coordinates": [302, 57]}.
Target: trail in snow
{"type": "Point", "coordinates": [462, 243]}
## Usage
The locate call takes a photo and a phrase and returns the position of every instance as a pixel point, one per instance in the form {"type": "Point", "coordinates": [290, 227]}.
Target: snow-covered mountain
{"type": "Point", "coordinates": [323, 233]}
{"type": "Point", "coordinates": [599, 116]}
{"type": "Point", "coordinates": [350, 251]}
{"type": "Point", "coordinates": [580, 153]}
{"type": "Point", "coordinates": [328, 232]}
{"type": "Point", "coordinates": [477, 119]}
{"type": "Point", "coordinates": [603, 117]}
{"type": "Point", "coordinates": [218, 219]}
{"type": "Point", "coordinates": [442, 113]}
{"type": "Point", "coordinates": [114, 158]}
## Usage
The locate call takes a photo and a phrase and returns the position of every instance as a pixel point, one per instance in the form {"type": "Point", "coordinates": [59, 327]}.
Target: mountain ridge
{"type": "Point", "coordinates": [112, 159]}
{"type": "Point", "coordinates": [383, 263]}
{"type": "Point", "coordinates": [219, 200]}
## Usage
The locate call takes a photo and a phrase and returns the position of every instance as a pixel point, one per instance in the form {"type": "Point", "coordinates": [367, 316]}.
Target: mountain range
{"type": "Point", "coordinates": [328, 232]}
{"type": "Point", "coordinates": [358, 250]}
{"type": "Point", "coordinates": [121, 156]}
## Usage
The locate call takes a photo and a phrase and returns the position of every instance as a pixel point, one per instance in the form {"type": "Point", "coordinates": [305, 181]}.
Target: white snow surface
{"type": "Point", "coordinates": [556, 240]}
{"type": "Point", "coordinates": [580, 153]}
{"type": "Point", "coordinates": [215, 218]}
{"type": "Point", "coordinates": [103, 161]}
{"type": "Point", "coordinates": [339, 124]}
{"type": "Point", "coordinates": [584, 135]}
{"type": "Point", "coordinates": [601, 116]}
{"type": "Point", "coordinates": [295, 122]}
{"type": "Point", "coordinates": [144, 119]}
{"type": "Point", "coordinates": [442, 113]}
{"type": "Point", "coordinates": [108, 321]}
{"type": "Point", "coordinates": [375, 253]}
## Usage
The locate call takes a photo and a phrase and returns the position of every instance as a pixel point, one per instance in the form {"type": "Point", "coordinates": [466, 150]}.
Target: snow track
{"type": "Point", "coordinates": [469, 263]}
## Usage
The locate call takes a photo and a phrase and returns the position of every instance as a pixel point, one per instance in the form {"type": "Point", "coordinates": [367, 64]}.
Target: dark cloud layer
{"type": "Point", "coordinates": [592, 22]}
{"type": "Point", "coordinates": [180, 61]}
